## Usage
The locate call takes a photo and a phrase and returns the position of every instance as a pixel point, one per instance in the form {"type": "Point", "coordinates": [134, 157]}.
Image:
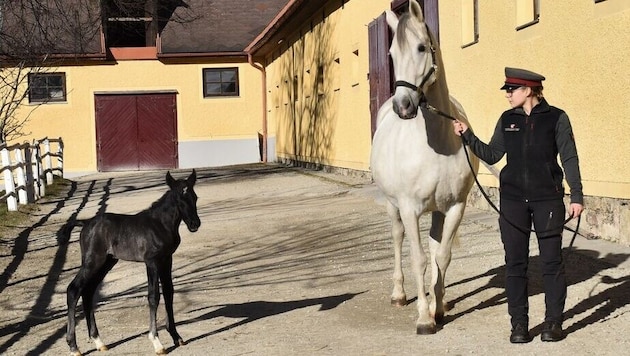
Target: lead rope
{"type": "Point", "coordinates": [434, 110]}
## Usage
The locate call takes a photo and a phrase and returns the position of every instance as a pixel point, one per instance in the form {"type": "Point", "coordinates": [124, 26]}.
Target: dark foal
{"type": "Point", "coordinates": [150, 236]}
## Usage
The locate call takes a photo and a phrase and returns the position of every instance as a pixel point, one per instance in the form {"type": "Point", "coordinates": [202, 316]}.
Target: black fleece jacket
{"type": "Point", "coordinates": [532, 144]}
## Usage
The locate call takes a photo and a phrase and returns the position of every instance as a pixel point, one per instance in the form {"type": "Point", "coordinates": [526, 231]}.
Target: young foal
{"type": "Point", "coordinates": [150, 236]}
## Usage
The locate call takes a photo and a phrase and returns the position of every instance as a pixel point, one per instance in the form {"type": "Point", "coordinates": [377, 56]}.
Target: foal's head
{"type": "Point", "coordinates": [186, 199]}
{"type": "Point", "coordinates": [414, 58]}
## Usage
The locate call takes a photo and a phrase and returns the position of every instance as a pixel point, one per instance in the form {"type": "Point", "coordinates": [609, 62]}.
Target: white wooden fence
{"type": "Point", "coordinates": [28, 168]}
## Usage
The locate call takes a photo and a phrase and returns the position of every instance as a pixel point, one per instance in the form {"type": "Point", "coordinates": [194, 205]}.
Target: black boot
{"type": "Point", "coordinates": [552, 331]}
{"type": "Point", "coordinates": [520, 334]}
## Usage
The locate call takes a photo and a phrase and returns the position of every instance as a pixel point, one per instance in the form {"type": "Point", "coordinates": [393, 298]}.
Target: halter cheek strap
{"type": "Point", "coordinates": [406, 84]}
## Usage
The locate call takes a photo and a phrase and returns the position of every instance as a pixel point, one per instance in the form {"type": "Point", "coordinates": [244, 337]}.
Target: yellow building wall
{"type": "Point", "coordinates": [581, 47]}
{"type": "Point", "coordinates": [199, 119]}
{"type": "Point", "coordinates": [324, 121]}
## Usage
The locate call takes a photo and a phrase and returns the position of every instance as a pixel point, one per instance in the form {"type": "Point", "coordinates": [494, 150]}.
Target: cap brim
{"type": "Point", "coordinates": [508, 86]}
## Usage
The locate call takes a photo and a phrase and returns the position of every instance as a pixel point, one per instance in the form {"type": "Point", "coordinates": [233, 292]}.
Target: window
{"type": "Point", "coordinates": [48, 87]}
{"type": "Point", "coordinates": [130, 23]}
{"type": "Point", "coordinates": [470, 22]}
{"type": "Point", "coordinates": [527, 13]}
{"type": "Point", "coordinates": [220, 82]}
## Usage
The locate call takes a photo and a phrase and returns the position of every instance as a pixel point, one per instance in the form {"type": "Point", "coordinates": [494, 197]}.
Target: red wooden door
{"type": "Point", "coordinates": [136, 132]}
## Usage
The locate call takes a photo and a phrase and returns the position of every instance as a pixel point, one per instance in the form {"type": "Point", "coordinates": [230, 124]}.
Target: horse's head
{"type": "Point", "coordinates": [186, 199]}
{"type": "Point", "coordinates": [414, 58]}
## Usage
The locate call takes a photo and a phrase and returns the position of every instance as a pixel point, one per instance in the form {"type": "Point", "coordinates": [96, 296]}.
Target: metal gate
{"type": "Point", "coordinates": [136, 131]}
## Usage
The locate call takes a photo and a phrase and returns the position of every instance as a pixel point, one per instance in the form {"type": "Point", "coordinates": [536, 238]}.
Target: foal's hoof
{"type": "Point", "coordinates": [181, 342]}
{"type": "Point", "coordinates": [426, 329]}
{"type": "Point", "coordinates": [399, 302]}
{"type": "Point", "coordinates": [103, 348]}
{"type": "Point", "coordinates": [161, 352]}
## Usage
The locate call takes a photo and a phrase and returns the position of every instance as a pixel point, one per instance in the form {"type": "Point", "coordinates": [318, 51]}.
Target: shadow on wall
{"type": "Point", "coordinates": [306, 98]}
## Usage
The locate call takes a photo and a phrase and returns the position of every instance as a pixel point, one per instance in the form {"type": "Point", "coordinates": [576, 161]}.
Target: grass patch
{"type": "Point", "coordinates": [10, 221]}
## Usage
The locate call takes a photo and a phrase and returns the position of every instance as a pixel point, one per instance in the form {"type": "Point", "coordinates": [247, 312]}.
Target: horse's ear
{"type": "Point", "coordinates": [392, 19]}
{"type": "Point", "coordinates": [192, 178]}
{"type": "Point", "coordinates": [169, 179]}
{"type": "Point", "coordinates": [416, 10]}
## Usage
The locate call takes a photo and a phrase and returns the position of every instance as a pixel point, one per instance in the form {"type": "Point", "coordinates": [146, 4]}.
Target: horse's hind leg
{"type": "Point", "coordinates": [72, 297]}
{"type": "Point", "coordinates": [154, 301]}
{"type": "Point", "coordinates": [166, 280]}
{"type": "Point", "coordinates": [88, 301]}
{"type": "Point", "coordinates": [399, 298]}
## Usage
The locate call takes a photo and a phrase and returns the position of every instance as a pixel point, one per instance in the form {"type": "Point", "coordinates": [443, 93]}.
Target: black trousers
{"type": "Point", "coordinates": [547, 218]}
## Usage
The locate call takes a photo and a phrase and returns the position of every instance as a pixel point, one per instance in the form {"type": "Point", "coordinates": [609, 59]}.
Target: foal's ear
{"type": "Point", "coordinates": [192, 178]}
{"type": "Point", "coordinates": [169, 179]}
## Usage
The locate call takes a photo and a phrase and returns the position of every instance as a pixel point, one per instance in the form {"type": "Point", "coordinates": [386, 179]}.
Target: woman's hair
{"type": "Point", "coordinates": [537, 92]}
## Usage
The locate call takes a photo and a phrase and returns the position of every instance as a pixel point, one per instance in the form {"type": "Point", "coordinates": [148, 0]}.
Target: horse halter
{"type": "Point", "coordinates": [433, 69]}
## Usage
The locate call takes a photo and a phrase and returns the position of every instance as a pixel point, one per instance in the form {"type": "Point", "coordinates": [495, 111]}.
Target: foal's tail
{"type": "Point", "coordinates": [63, 235]}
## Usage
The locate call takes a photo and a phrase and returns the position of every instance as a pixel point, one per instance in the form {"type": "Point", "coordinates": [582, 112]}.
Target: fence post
{"type": "Point", "coordinates": [60, 157]}
{"type": "Point", "coordinates": [37, 172]}
{"type": "Point", "coordinates": [48, 169]}
{"type": "Point", "coordinates": [31, 188]}
{"type": "Point", "coordinates": [9, 185]}
{"type": "Point", "coordinates": [19, 171]}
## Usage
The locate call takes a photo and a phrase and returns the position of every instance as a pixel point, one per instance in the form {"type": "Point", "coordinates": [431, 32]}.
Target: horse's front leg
{"type": "Point", "coordinates": [166, 279]}
{"type": "Point", "coordinates": [399, 298]}
{"type": "Point", "coordinates": [154, 301]}
{"type": "Point", "coordinates": [443, 232]}
{"type": "Point", "coordinates": [425, 323]}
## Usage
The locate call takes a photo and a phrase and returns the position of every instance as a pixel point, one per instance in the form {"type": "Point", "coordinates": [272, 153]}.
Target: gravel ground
{"type": "Point", "coordinates": [293, 262]}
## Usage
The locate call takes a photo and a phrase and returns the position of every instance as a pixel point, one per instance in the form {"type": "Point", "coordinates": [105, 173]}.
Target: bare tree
{"type": "Point", "coordinates": [36, 36]}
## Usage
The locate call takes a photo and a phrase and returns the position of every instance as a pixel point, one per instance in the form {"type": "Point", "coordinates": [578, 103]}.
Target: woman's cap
{"type": "Point", "coordinates": [516, 78]}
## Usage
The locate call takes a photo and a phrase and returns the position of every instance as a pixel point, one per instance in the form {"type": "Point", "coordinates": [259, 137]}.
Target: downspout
{"type": "Point", "coordinates": [262, 70]}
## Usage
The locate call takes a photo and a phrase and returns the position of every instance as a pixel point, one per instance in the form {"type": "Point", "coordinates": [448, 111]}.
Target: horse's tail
{"type": "Point", "coordinates": [63, 235]}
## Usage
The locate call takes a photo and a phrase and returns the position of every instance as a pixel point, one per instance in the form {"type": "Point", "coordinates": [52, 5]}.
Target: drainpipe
{"type": "Point", "coordinates": [262, 70]}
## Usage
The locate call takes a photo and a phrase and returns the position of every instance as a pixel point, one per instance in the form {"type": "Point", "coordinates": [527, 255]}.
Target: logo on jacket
{"type": "Point", "coordinates": [512, 128]}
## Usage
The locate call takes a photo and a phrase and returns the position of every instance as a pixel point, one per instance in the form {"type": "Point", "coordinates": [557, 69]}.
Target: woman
{"type": "Point", "coordinates": [532, 134]}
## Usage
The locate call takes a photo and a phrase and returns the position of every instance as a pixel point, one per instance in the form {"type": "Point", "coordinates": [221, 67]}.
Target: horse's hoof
{"type": "Point", "coordinates": [161, 352]}
{"type": "Point", "coordinates": [399, 302]}
{"type": "Point", "coordinates": [426, 329]}
{"type": "Point", "coordinates": [103, 348]}
{"type": "Point", "coordinates": [181, 342]}
{"type": "Point", "coordinates": [439, 318]}
{"type": "Point", "coordinates": [76, 353]}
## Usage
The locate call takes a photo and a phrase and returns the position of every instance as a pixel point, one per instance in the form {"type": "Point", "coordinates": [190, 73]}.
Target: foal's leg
{"type": "Point", "coordinates": [154, 301]}
{"type": "Point", "coordinates": [399, 298]}
{"type": "Point", "coordinates": [88, 301]}
{"type": "Point", "coordinates": [425, 323]}
{"type": "Point", "coordinates": [72, 297]}
{"type": "Point", "coordinates": [81, 285]}
{"type": "Point", "coordinates": [166, 280]}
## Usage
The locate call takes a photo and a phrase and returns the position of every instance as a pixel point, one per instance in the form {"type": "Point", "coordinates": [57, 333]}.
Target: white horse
{"type": "Point", "coordinates": [418, 162]}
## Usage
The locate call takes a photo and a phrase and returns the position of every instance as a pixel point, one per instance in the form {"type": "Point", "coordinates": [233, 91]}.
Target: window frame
{"type": "Point", "coordinates": [535, 16]}
{"type": "Point", "coordinates": [475, 37]}
{"type": "Point", "coordinates": [47, 88]}
{"type": "Point", "coordinates": [222, 94]}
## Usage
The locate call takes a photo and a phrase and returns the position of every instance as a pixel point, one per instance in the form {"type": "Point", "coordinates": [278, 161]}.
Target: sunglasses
{"type": "Point", "coordinates": [510, 91]}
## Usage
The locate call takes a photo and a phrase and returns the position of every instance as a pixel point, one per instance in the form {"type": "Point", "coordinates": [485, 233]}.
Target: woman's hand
{"type": "Point", "coordinates": [459, 127]}
{"type": "Point", "coordinates": [575, 209]}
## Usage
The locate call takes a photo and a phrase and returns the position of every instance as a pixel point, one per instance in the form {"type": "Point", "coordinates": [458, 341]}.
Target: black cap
{"type": "Point", "coordinates": [516, 78]}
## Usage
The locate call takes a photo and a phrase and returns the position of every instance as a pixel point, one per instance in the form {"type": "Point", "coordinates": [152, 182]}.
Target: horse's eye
{"type": "Point", "coordinates": [421, 48]}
